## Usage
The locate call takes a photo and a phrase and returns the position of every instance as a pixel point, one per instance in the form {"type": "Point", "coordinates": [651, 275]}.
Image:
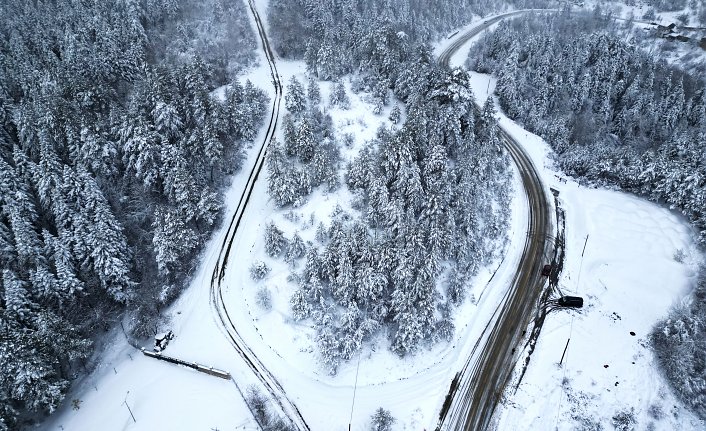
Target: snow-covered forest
{"type": "Point", "coordinates": [619, 117]}
{"type": "Point", "coordinates": [113, 154]}
{"type": "Point", "coordinates": [613, 114]}
{"type": "Point", "coordinates": [431, 197]}
{"type": "Point", "coordinates": [122, 124]}
{"type": "Point", "coordinates": [696, 6]}
{"type": "Point", "coordinates": [337, 37]}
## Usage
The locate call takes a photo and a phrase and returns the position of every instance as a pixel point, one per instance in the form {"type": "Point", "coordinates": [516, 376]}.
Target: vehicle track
{"type": "Point", "coordinates": [477, 390]}
{"type": "Point", "coordinates": [445, 56]}
{"type": "Point", "coordinates": [268, 380]}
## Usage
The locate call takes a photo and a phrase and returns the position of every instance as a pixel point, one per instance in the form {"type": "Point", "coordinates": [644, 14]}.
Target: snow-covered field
{"type": "Point", "coordinates": [639, 260]}
{"type": "Point", "coordinates": [628, 277]}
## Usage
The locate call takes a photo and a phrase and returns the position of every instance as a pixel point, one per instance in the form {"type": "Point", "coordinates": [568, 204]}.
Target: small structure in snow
{"type": "Point", "coordinates": [571, 301]}
{"type": "Point", "coordinates": [162, 340]}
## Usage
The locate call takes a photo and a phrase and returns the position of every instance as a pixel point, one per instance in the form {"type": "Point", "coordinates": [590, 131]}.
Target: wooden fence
{"type": "Point", "coordinates": [198, 367]}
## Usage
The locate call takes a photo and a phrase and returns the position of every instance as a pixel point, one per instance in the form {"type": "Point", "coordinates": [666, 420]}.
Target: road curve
{"type": "Point", "coordinates": [445, 56]}
{"type": "Point", "coordinates": [477, 388]}
{"type": "Point", "coordinates": [268, 380]}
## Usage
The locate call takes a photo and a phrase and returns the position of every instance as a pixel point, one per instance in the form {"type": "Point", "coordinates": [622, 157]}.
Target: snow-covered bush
{"type": "Point", "coordinates": [263, 298]}
{"type": "Point", "coordinates": [381, 420]}
{"type": "Point", "coordinates": [683, 18]}
{"type": "Point", "coordinates": [259, 405]}
{"type": "Point", "coordinates": [656, 412]}
{"type": "Point", "coordinates": [650, 14]}
{"type": "Point", "coordinates": [259, 270]}
{"type": "Point", "coordinates": [624, 420]}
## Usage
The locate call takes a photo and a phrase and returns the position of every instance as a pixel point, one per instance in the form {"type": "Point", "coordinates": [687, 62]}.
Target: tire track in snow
{"type": "Point", "coordinates": [474, 394]}
{"type": "Point", "coordinates": [268, 380]}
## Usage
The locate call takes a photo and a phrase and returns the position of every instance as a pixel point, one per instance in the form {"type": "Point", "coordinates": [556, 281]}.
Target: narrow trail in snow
{"type": "Point", "coordinates": [268, 380]}
{"type": "Point", "coordinates": [476, 389]}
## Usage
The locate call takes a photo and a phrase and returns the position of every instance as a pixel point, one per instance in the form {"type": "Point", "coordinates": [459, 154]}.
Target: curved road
{"type": "Point", "coordinates": [476, 390]}
{"type": "Point", "coordinates": [267, 379]}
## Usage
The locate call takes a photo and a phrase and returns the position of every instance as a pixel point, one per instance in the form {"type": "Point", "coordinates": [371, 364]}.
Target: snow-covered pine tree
{"type": "Point", "coordinates": [275, 242]}
{"type": "Point", "coordinates": [313, 91]}
{"type": "Point", "coordinates": [338, 96]}
{"type": "Point", "coordinates": [294, 98]}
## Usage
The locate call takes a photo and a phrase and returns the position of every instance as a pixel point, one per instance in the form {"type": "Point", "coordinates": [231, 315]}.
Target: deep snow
{"type": "Point", "coordinates": [628, 269]}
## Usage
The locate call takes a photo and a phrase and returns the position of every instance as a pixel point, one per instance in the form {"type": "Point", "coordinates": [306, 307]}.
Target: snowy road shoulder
{"type": "Point", "coordinates": [639, 260]}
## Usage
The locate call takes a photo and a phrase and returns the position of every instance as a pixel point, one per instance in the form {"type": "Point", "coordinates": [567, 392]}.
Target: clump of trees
{"type": "Point", "coordinates": [309, 155]}
{"type": "Point", "coordinates": [679, 343]}
{"type": "Point", "coordinates": [432, 199]}
{"type": "Point", "coordinates": [337, 37]}
{"type": "Point", "coordinates": [613, 114]}
{"type": "Point", "coordinates": [113, 153]}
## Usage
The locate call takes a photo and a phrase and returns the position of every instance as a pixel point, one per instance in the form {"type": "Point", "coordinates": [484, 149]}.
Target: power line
{"type": "Point", "coordinates": [355, 387]}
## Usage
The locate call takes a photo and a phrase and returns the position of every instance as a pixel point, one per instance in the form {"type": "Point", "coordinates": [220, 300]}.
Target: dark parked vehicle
{"type": "Point", "coordinates": [571, 301]}
{"type": "Point", "coordinates": [546, 270]}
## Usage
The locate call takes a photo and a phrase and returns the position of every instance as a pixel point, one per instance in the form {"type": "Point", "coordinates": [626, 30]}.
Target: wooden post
{"type": "Point", "coordinates": [565, 347]}
{"type": "Point", "coordinates": [128, 407]}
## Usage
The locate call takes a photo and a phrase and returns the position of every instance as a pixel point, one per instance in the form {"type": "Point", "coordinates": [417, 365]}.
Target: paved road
{"type": "Point", "coordinates": [445, 56]}
{"type": "Point", "coordinates": [478, 386]}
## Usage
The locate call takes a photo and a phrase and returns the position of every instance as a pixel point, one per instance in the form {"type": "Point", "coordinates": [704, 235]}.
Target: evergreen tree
{"type": "Point", "coordinates": [313, 92]}
{"type": "Point", "coordinates": [294, 97]}
{"type": "Point", "coordinates": [381, 420]}
{"type": "Point", "coordinates": [275, 242]}
{"type": "Point", "coordinates": [339, 97]}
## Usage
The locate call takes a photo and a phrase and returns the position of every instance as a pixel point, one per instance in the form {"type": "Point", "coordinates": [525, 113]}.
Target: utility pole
{"type": "Point", "coordinates": [581, 265]}
{"type": "Point", "coordinates": [355, 387]}
{"type": "Point", "coordinates": [565, 347]}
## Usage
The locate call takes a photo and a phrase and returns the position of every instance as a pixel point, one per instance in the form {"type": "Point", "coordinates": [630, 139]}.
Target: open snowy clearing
{"type": "Point", "coordinates": [628, 268]}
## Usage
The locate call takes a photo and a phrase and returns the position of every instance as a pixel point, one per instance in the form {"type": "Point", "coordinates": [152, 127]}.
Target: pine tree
{"type": "Point", "coordinates": [339, 97]}
{"type": "Point", "coordinates": [395, 114]}
{"type": "Point", "coordinates": [303, 146]}
{"type": "Point", "coordinates": [381, 420]}
{"type": "Point", "coordinates": [294, 97]}
{"type": "Point", "coordinates": [275, 242]}
{"type": "Point", "coordinates": [313, 92]}
{"type": "Point", "coordinates": [173, 240]}
{"type": "Point", "coordinates": [296, 249]}
{"type": "Point", "coordinates": [109, 251]}
{"type": "Point", "coordinates": [16, 296]}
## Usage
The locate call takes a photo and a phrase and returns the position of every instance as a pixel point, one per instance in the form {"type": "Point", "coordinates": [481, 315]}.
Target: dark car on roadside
{"type": "Point", "coordinates": [571, 301]}
{"type": "Point", "coordinates": [546, 270]}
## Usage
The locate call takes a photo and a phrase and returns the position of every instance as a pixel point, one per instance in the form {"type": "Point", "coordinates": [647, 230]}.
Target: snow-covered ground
{"type": "Point", "coordinates": [639, 260]}
{"type": "Point", "coordinates": [628, 269]}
